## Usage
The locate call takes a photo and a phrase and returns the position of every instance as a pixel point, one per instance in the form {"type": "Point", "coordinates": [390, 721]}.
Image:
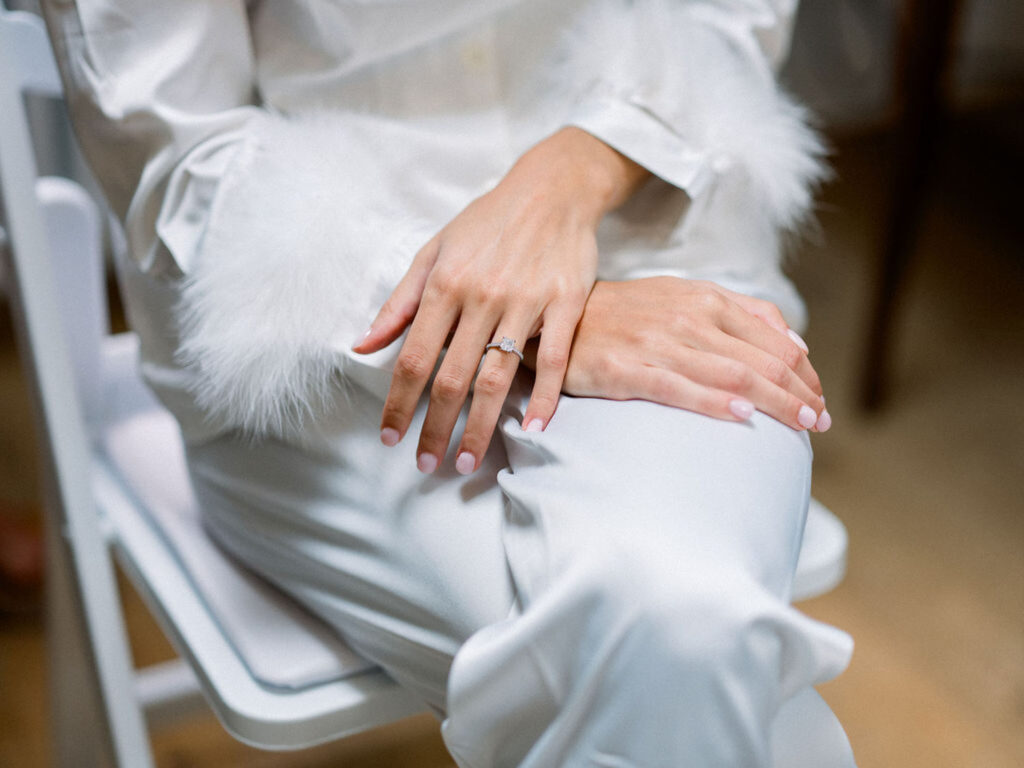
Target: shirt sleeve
{"type": "Point", "coordinates": [219, 197]}
{"type": "Point", "coordinates": [160, 94]}
{"type": "Point", "coordinates": [687, 89]}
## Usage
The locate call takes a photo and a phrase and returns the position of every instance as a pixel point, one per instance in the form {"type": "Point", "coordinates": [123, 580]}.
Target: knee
{"type": "Point", "coordinates": [684, 620]}
{"type": "Point", "coordinates": [693, 646]}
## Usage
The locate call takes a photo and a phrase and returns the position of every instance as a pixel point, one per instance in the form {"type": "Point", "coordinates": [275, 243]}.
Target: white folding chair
{"type": "Point", "coordinates": [115, 482]}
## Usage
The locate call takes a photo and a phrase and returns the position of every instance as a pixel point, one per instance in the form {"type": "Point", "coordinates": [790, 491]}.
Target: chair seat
{"type": "Point", "coordinates": [822, 564]}
{"type": "Point", "coordinates": [276, 676]}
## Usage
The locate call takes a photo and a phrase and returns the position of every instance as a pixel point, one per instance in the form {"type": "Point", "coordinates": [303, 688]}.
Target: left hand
{"type": "Point", "coordinates": [518, 261]}
{"type": "Point", "coordinates": [695, 345]}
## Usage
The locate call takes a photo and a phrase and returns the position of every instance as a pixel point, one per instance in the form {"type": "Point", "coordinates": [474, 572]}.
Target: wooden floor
{"type": "Point", "coordinates": [932, 491]}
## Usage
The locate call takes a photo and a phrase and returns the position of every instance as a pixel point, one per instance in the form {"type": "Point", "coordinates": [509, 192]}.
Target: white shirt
{"type": "Point", "coordinates": [289, 157]}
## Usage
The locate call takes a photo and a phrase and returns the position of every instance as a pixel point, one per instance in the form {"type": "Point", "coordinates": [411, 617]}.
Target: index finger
{"type": "Point", "coordinates": [414, 366]}
{"type": "Point", "coordinates": [401, 306]}
{"type": "Point", "coordinates": [746, 327]}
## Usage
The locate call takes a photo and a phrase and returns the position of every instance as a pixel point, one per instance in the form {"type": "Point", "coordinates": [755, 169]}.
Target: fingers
{"type": "Point", "coordinates": [489, 392]}
{"type": "Point", "coordinates": [551, 362]}
{"type": "Point", "coordinates": [495, 379]}
{"type": "Point", "coordinates": [414, 366]}
{"type": "Point", "coordinates": [742, 326]}
{"type": "Point", "coordinates": [766, 382]}
{"type": "Point", "coordinates": [765, 311]}
{"type": "Point", "coordinates": [758, 378]}
{"type": "Point", "coordinates": [400, 308]}
{"type": "Point", "coordinates": [450, 388]}
{"type": "Point", "coordinates": [669, 388]}
{"type": "Point", "coordinates": [782, 361]}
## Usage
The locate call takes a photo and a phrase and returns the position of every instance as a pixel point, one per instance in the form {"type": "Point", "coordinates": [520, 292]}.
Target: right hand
{"type": "Point", "coordinates": [519, 261]}
{"type": "Point", "coordinates": [694, 345]}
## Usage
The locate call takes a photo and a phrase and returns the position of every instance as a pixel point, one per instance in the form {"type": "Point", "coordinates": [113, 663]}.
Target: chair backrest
{"type": "Point", "coordinates": [72, 220]}
{"type": "Point", "coordinates": [31, 63]}
{"type": "Point", "coordinates": [27, 66]}
{"type": "Point", "coordinates": [32, 285]}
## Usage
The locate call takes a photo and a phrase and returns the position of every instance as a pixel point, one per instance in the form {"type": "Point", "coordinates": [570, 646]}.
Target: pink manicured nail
{"type": "Point", "coordinates": [390, 437]}
{"type": "Point", "coordinates": [465, 463]}
{"type": "Point", "coordinates": [362, 338]}
{"type": "Point", "coordinates": [426, 463]}
{"type": "Point", "coordinates": [824, 421]}
{"type": "Point", "coordinates": [798, 341]}
{"type": "Point", "coordinates": [535, 425]}
{"type": "Point", "coordinates": [741, 409]}
{"type": "Point", "coordinates": [806, 418]}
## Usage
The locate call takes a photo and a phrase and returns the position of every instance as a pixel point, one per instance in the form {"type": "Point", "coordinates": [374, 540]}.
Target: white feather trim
{"type": "Point", "coordinates": [302, 246]}
{"type": "Point", "coordinates": [703, 74]}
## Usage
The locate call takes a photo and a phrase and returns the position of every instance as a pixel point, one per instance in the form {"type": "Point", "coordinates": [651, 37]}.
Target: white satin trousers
{"type": "Point", "coordinates": [611, 592]}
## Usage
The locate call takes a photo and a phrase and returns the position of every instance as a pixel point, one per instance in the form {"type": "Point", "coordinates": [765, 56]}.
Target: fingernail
{"type": "Point", "coordinates": [389, 436]}
{"type": "Point", "coordinates": [806, 418]}
{"type": "Point", "coordinates": [741, 409]}
{"type": "Point", "coordinates": [465, 463]}
{"type": "Point", "coordinates": [824, 421]}
{"type": "Point", "coordinates": [426, 463]}
{"type": "Point", "coordinates": [362, 338]}
{"type": "Point", "coordinates": [798, 341]}
{"type": "Point", "coordinates": [535, 425]}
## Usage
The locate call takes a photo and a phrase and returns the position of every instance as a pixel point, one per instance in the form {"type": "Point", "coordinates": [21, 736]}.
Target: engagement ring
{"type": "Point", "coordinates": [505, 345]}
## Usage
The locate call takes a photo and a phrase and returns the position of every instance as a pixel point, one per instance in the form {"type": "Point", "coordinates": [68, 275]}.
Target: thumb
{"type": "Point", "coordinates": [401, 306]}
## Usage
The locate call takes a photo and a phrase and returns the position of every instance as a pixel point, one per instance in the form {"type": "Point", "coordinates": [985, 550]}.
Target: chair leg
{"type": "Point", "coordinates": [169, 692]}
{"type": "Point", "coordinates": [925, 38]}
{"type": "Point", "coordinates": [83, 733]}
{"type": "Point", "coordinates": [77, 730]}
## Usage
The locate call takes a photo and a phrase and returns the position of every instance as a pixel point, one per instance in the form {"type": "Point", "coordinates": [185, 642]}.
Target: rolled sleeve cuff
{"type": "Point", "coordinates": [642, 137]}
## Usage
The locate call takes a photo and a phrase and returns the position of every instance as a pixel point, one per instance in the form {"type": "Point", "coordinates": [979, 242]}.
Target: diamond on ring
{"type": "Point", "coordinates": [505, 345]}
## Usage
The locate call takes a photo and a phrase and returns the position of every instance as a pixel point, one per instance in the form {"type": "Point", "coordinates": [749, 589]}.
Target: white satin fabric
{"type": "Point", "coordinates": [618, 598]}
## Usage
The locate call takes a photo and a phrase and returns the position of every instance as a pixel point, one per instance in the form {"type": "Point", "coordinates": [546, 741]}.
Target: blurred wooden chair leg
{"type": "Point", "coordinates": [926, 32]}
{"type": "Point", "coordinates": [21, 560]}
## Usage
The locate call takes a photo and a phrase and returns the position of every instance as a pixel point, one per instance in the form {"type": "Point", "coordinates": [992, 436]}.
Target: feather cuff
{"type": "Point", "coordinates": [301, 248]}
{"type": "Point", "coordinates": [704, 76]}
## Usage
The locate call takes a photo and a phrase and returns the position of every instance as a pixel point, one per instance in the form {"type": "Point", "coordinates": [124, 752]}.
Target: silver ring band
{"type": "Point", "coordinates": [505, 345]}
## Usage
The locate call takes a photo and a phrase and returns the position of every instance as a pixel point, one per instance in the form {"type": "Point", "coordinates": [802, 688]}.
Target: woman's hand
{"type": "Point", "coordinates": [518, 261]}
{"type": "Point", "coordinates": [694, 345]}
